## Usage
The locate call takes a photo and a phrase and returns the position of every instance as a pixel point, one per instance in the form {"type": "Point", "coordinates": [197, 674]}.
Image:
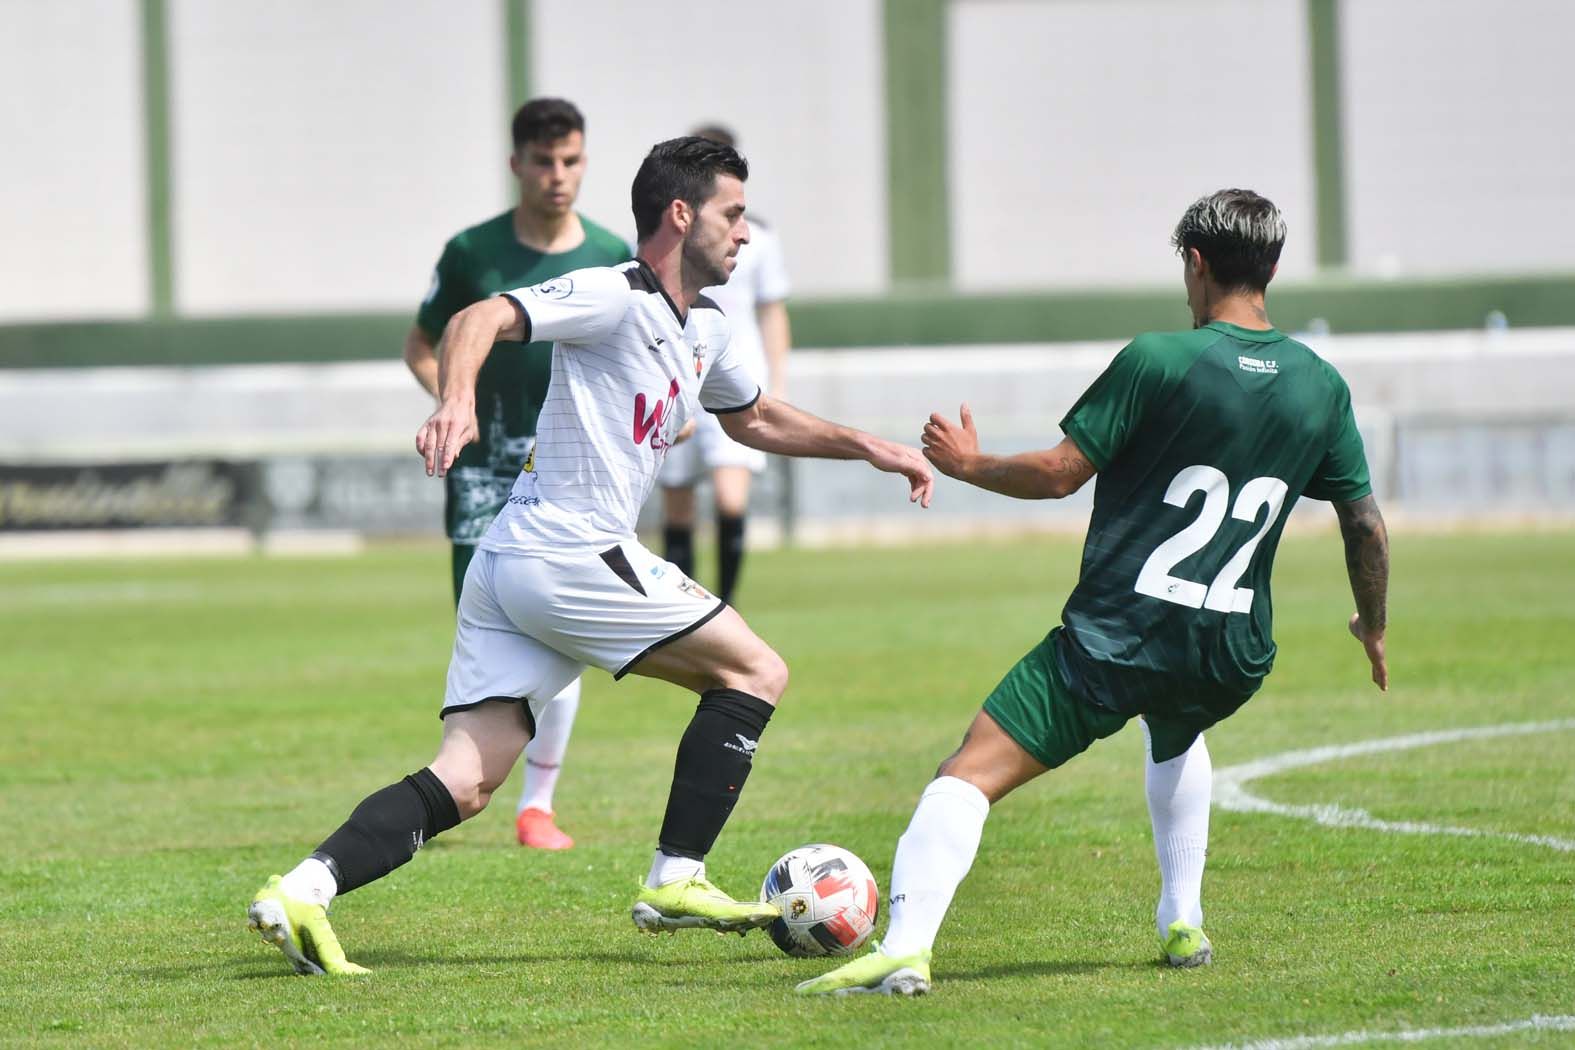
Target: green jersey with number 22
{"type": "Point", "coordinates": [1203, 441]}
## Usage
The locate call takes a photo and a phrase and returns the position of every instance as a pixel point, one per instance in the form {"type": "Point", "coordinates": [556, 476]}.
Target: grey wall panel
{"type": "Point", "coordinates": [324, 152]}
{"type": "Point", "coordinates": [800, 83]}
{"type": "Point", "coordinates": [1080, 130]}
{"type": "Point", "coordinates": [1459, 144]}
{"type": "Point", "coordinates": [73, 236]}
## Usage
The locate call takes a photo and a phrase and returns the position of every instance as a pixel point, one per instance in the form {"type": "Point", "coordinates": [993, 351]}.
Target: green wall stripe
{"type": "Point", "coordinates": [1323, 34]}
{"type": "Point", "coordinates": [516, 30]}
{"type": "Point", "coordinates": [156, 126]}
{"type": "Point", "coordinates": [516, 58]}
{"type": "Point", "coordinates": [915, 319]}
{"type": "Point", "coordinates": [919, 222]}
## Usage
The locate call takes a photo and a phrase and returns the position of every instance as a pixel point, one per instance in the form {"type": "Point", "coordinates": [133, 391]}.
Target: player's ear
{"type": "Point", "coordinates": [514, 163]}
{"type": "Point", "coordinates": [682, 214]}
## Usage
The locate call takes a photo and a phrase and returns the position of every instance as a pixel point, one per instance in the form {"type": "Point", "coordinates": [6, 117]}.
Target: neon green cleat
{"type": "Point", "coordinates": [876, 973]}
{"type": "Point", "coordinates": [299, 930]}
{"type": "Point", "coordinates": [691, 903]}
{"type": "Point", "coordinates": [1186, 946]}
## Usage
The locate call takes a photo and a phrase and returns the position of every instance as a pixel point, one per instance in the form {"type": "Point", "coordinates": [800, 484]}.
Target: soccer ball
{"type": "Point", "coordinates": [828, 900]}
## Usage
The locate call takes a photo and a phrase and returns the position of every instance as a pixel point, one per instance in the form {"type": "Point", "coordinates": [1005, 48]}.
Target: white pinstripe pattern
{"type": "Point", "coordinates": [617, 350]}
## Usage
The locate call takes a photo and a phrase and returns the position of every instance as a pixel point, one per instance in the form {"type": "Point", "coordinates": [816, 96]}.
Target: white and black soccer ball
{"type": "Point", "coordinates": [828, 900]}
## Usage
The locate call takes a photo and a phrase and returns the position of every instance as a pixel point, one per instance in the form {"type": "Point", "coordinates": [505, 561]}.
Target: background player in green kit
{"type": "Point", "coordinates": [1202, 441]}
{"type": "Point", "coordinates": [543, 237]}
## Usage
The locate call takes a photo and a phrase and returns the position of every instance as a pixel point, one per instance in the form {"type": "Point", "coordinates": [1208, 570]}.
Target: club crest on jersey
{"type": "Point", "coordinates": [699, 352]}
{"type": "Point", "coordinates": [557, 288]}
{"type": "Point", "coordinates": [648, 426]}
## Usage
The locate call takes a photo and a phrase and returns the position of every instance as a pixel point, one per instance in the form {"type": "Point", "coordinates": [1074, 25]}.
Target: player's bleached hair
{"type": "Point", "coordinates": [1238, 232]}
{"type": "Point", "coordinates": [681, 169]}
{"type": "Point", "coordinates": [717, 133]}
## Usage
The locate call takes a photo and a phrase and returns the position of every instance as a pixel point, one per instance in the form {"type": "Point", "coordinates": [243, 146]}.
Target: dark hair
{"type": "Point", "coordinates": [1238, 232]}
{"type": "Point", "coordinates": [683, 169]}
{"type": "Point", "coordinates": [546, 120]}
{"type": "Point", "coordinates": [717, 133]}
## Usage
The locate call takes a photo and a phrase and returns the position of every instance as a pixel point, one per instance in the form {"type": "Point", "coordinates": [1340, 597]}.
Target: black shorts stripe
{"type": "Point", "coordinates": [707, 618]}
{"type": "Point", "coordinates": [618, 562]}
{"type": "Point", "coordinates": [523, 701]}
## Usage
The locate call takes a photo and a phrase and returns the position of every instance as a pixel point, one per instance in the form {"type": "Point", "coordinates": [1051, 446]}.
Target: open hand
{"type": "Point", "coordinates": [449, 429]}
{"type": "Point", "coordinates": [948, 445]}
{"type": "Point", "coordinates": [900, 459]}
{"type": "Point", "coordinates": [1373, 642]}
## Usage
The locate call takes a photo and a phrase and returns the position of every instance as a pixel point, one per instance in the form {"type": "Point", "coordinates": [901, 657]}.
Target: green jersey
{"type": "Point", "coordinates": [1203, 440]}
{"type": "Point", "coordinates": [476, 264]}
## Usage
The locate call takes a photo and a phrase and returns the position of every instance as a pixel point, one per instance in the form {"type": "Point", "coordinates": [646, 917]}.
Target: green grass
{"type": "Point", "coordinates": [175, 731]}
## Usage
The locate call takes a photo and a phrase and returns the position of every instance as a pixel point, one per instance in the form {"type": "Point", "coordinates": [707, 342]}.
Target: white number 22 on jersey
{"type": "Point", "coordinates": [1222, 595]}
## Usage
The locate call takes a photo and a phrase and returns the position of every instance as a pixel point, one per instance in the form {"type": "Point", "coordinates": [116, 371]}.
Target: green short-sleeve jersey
{"type": "Point", "coordinates": [476, 264]}
{"type": "Point", "coordinates": [1203, 440]}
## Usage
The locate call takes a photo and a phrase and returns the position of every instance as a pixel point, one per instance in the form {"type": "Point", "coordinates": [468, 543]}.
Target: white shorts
{"type": "Point", "coordinates": [529, 624]}
{"type": "Point", "coordinates": [709, 448]}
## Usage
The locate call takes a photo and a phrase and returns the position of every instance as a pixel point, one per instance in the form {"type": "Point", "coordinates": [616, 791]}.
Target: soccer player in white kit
{"type": "Point", "coordinates": [560, 581]}
{"type": "Point", "coordinates": [755, 301]}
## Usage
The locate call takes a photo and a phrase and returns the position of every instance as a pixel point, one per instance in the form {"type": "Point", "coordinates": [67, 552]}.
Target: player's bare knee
{"type": "Point", "coordinates": [465, 787]}
{"type": "Point", "coordinates": [470, 799]}
{"type": "Point", "coordinates": [769, 676]}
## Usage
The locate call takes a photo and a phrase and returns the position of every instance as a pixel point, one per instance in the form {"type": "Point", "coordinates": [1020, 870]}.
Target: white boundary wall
{"type": "Point", "coordinates": [1458, 424]}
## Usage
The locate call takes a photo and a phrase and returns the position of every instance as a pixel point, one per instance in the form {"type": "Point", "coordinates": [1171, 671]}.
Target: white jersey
{"type": "Point", "coordinates": [760, 277]}
{"type": "Point", "coordinates": [627, 373]}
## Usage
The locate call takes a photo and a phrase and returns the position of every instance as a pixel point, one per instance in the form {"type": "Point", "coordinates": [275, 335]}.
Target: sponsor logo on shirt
{"type": "Point", "coordinates": [1257, 364]}
{"type": "Point", "coordinates": [648, 426]}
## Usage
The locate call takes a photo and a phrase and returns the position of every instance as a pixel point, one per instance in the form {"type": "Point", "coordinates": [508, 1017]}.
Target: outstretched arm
{"type": "Point", "coordinates": [776, 426]}
{"type": "Point", "coordinates": [421, 358]}
{"type": "Point", "coordinates": [1048, 474]}
{"type": "Point", "coordinates": [466, 342]}
{"type": "Point", "coordinates": [1367, 564]}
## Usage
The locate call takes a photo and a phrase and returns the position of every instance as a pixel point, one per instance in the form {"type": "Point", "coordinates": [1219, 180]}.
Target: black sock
{"type": "Point", "coordinates": [387, 828]}
{"type": "Point", "coordinates": [679, 543]}
{"type": "Point", "coordinates": [730, 553]}
{"type": "Point", "coordinates": [714, 757]}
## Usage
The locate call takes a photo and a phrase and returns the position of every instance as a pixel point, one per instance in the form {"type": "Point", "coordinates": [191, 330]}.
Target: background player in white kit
{"type": "Point", "coordinates": [560, 581]}
{"type": "Point", "coordinates": [755, 301]}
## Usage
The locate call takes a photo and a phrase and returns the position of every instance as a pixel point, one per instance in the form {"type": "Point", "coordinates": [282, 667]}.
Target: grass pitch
{"type": "Point", "coordinates": [175, 731]}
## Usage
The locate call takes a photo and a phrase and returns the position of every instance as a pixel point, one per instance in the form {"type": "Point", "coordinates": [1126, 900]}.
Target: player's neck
{"type": "Point", "coordinates": [1244, 310]}
{"type": "Point", "coordinates": [665, 257]}
{"type": "Point", "coordinates": [548, 234]}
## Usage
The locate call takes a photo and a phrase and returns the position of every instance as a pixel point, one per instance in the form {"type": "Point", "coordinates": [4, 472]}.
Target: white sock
{"type": "Point", "coordinates": [1178, 805]}
{"type": "Point", "coordinates": [665, 869]}
{"type": "Point", "coordinates": [933, 855]}
{"type": "Point", "coordinates": [544, 754]}
{"type": "Point", "coordinates": [310, 881]}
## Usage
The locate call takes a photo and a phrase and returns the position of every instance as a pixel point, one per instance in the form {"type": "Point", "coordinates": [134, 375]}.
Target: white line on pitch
{"type": "Point", "coordinates": [1230, 784]}
{"type": "Point", "coordinates": [1535, 1023]}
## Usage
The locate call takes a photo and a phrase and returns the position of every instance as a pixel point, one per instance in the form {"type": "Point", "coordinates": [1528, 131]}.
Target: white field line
{"type": "Point", "coordinates": [1230, 793]}
{"type": "Point", "coordinates": [1535, 1023]}
{"type": "Point", "coordinates": [1230, 783]}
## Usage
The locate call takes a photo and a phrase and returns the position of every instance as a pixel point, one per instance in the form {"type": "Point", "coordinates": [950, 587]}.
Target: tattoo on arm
{"type": "Point", "coordinates": [1366, 559]}
{"type": "Point", "coordinates": [1050, 474]}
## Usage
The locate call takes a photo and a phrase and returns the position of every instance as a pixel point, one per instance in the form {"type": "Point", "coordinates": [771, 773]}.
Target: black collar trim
{"type": "Point", "coordinates": [643, 279]}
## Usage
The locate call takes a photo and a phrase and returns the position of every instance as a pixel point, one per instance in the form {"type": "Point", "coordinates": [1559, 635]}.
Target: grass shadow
{"type": "Point", "coordinates": [1044, 968]}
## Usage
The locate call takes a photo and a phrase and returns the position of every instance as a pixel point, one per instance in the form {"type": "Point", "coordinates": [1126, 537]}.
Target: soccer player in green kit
{"type": "Point", "coordinates": [1202, 442]}
{"type": "Point", "coordinates": [543, 237]}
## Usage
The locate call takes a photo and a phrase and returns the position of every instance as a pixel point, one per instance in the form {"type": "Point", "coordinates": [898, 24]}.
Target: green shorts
{"type": "Point", "coordinates": [1035, 707]}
